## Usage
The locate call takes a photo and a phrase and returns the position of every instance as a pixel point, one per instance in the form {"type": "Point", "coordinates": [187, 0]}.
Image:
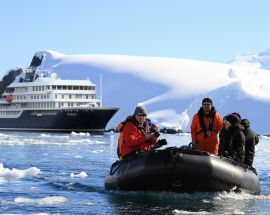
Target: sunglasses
{"type": "Point", "coordinates": [144, 115]}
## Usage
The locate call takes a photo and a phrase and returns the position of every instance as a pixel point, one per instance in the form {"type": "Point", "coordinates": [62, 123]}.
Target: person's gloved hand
{"type": "Point", "coordinates": [160, 143]}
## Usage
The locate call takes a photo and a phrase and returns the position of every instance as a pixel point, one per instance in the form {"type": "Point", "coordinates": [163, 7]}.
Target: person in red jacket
{"type": "Point", "coordinates": [136, 135]}
{"type": "Point", "coordinates": [205, 126]}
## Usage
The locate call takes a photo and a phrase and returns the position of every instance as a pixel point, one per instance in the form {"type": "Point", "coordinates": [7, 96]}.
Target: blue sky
{"type": "Point", "coordinates": [194, 29]}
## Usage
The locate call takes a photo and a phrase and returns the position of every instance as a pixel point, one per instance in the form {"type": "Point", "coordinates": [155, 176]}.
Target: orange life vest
{"type": "Point", "coordinates": [206, 140]}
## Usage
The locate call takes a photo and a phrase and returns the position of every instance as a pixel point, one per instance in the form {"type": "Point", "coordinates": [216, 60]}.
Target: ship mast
{"type": "Point", "coordinates": [100, 90]}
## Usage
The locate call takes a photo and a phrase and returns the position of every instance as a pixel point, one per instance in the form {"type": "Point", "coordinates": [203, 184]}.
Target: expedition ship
{"type": "Point", "coordinates": [47, 103]}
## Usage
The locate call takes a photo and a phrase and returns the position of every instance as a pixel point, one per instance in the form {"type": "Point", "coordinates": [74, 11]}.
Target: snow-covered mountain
{"type": "Point", "coordinates": [256, 60]}
{"type": "Point", "coordinates": [171, 88]}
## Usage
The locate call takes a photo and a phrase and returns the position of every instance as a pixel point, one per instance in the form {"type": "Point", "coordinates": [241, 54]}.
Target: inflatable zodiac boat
{"type": "Point", "coordinates": [180, 170]}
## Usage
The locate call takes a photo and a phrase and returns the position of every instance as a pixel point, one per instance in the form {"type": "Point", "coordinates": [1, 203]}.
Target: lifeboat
{"type": "Point", "coordinates": [181, 170]}
{"type": "Point", "coordinates": [9, 98]}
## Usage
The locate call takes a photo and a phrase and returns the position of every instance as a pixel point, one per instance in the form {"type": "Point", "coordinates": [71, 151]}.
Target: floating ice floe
{"type": "Point", "coordinates": [7, 174]}
{"type": "Point", "coordinates": [79, 175]}
{"type": "Point", "coordinates": [51, 200]}
{"type": "Point", "coordinates": [79, 134]}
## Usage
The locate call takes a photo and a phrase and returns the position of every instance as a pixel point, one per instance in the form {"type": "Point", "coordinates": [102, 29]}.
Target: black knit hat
{"type": "Point", "coordinates": [207, 100]}
{"type": "Point", "coordinates": [237, 114]}
{"type": "Point", "coordinates": [140, 110]}
{"type": "Point", "coordinates": [232, 118]}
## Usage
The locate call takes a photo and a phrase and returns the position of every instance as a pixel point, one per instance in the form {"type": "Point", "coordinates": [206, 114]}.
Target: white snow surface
{"type": "Point", "coordinates": [183, 77]}
{"type": "Point", "coordinates": [172, 88]}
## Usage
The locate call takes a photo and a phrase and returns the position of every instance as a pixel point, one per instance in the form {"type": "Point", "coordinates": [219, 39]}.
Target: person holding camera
{"type": "Point", "coordinates": [137, 134]}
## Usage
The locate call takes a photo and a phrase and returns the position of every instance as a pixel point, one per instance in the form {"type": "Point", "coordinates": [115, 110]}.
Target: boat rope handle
{"type": "Point", "coordinates": [115, 167]}
{"type": "Point", "coordinates": [175, 154]}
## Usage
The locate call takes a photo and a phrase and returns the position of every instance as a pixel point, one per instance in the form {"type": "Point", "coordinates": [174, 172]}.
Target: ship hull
{"type": "Point", "coordinates": [64, 120]}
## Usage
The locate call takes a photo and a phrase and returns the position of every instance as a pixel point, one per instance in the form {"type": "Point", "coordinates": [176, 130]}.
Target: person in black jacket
{"type": "Point", "coordinates": [252, 139]}
{"type": "Point", "coordinates": [232, 139]}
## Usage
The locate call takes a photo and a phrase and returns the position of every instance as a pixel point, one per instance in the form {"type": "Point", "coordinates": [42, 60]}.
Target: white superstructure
{"type": "Point", "coordinates": [47, 93]}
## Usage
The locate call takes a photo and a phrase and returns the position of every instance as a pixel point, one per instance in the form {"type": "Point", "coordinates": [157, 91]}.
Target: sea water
{"type": "Point", "coordinates": [43, 173]}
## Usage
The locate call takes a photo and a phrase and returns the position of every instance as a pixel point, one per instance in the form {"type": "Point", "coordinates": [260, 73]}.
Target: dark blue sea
{"type": "Point", "coordinates": [43, 173]}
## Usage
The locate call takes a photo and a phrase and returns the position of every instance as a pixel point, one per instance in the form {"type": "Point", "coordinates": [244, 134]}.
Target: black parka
{"type": "Point", "coordinates": [252, 139]}
{"type": "Point", "coordinates": [232, 143]}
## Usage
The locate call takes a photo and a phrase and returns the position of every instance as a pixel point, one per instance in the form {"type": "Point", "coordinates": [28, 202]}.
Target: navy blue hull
{"type": "Point", "coordinates": [65, 120]}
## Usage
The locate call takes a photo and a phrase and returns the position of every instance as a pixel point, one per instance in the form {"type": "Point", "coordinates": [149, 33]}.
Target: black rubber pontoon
{"type": "Point", "coordinates": [180, 170]}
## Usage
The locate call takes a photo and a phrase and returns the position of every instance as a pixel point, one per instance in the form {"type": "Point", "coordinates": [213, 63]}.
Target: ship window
{"type": "Point", "coordinates": [53, 87]}
{"type": "Point", "coordinates": [70, 87]}
{"type": "Point", "coordinates": [64, 87]}
{"type": "Point", "coordinates": [85, 87]}
{"type": "Point", "coordinates": [81, 87]}
{"type": "Point", "coordinates": [58, 87]}
{"type": "Point", "coordinates": [75, 87]}
{"type": "Point", "coordinates": [69, 96]}
{"type": "Point", "coordinates": [42, 88]}
{"type": "Point", "coordinates": [63, 96]}
{"type": "Point", "coordinates": [86, 96]}
{"type": "Point", "coordinates": [55, 96]}
{"type": "Point", "coordinates": [39, 88]}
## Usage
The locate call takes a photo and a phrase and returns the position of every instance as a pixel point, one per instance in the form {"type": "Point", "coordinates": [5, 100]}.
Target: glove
{"type": "Point", "coordinates": [160, 143]}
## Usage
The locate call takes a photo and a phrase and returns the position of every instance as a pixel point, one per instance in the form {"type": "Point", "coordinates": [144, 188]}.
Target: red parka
{"type": "Point", "coordinates": [208, 143]}
{"type": "Point", "coordinates": [134, 140]}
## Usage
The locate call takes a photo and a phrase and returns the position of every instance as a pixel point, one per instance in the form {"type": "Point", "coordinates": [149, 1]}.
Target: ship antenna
{"type": "Point", "coordinates": [100, 90]}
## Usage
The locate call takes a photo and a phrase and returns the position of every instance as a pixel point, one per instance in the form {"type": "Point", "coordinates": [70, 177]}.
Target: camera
{"type": "Point", "coordinates": [162, 142]}
{"type": "Point", "coordinates": [155, 132]}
